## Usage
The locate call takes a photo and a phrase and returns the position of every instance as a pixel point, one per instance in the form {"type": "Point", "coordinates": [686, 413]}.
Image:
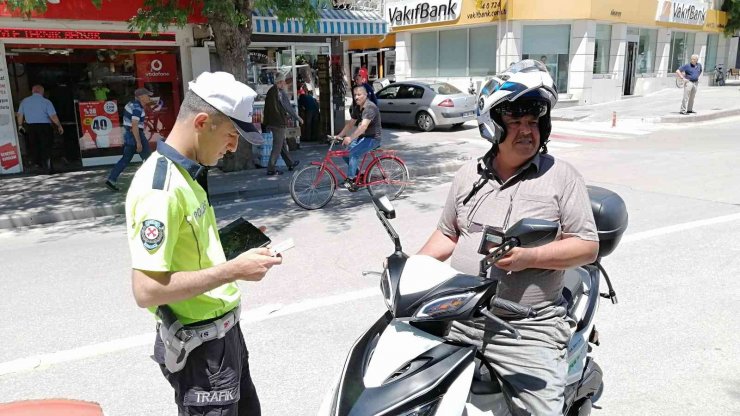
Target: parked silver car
{"type": "Point", "coordinates": [425, 104]}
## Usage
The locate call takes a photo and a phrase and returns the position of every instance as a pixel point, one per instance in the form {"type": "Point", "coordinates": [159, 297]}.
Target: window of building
{"type": "Point", "coordinates": [453, 47]}
{"type": "Point", "coordinates": [602, 49]}
{"type": "Point", "coordinates": [424, 54]}
{"type": "Point", "coordinates": [682, 47]}
{"type": "Point", "coordinates": [711, 60]}
{"type": "Point", "coordinates": [264, 64]}
{"type": "Point", "coordinates": [482, 53]}
{"type": "Point", "coordinates": [454, 53]}
{"type": "Point", "coordinates": [549, 44]}
{"type": "Point", "coordinates": [647, 46]}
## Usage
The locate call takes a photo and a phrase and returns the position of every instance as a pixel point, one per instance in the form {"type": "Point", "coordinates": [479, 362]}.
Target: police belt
{"type": "Point", "coordinates": [217, 328]}
{"type": "Point", "coordinates": [180, 340]}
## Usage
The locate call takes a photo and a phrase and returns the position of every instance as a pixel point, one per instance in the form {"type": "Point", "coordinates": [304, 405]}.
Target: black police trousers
{"type": "Point", "coordinates": [215, 379]}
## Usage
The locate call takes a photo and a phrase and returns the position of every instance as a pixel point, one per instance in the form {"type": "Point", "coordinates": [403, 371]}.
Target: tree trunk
{"type": "Point", "coordinates": [232, 42]}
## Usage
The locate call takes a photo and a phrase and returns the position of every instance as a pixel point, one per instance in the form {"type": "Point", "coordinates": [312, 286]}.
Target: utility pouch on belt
{"type": "Point", "coordinates": [178, 340]}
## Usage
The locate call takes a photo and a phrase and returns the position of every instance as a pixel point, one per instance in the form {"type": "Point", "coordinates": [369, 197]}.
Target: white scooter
{"type": "Point", "coordinates": [403, 366]}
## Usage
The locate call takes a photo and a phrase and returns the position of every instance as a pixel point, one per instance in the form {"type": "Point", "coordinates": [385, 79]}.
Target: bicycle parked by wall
{"type": "Point", "coordinates": [381, 171]}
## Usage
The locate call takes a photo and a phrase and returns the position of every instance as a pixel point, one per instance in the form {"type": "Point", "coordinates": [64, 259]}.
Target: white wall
{"type": "Point", "coordinates": [609, 87]}
{"type": "Point", "coordinates": [663, 52]}
{"type": "Point", "coordinates": [200, 59]}
{"type": "Point", "coordinates": [732, 53]}
{"type": "Point", "coordinates": [403, 56]}
{"type": "Point", "coordinates": [582, 45]}
{"type": "Point", "coordinates": [509, 44]}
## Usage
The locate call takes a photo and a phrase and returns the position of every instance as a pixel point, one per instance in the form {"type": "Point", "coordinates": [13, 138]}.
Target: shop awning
{"type": "Point", "coordinates": [332, 22]}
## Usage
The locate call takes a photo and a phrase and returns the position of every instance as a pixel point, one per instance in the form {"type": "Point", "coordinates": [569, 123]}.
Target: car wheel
{"type": "Point", "coordinates": [424, 121]}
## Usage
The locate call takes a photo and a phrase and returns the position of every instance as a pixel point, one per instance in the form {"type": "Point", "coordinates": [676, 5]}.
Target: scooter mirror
{"type": "Point", "coordinates": [533, 232]}
{"type": "Point", "coordinates": [383, 204]}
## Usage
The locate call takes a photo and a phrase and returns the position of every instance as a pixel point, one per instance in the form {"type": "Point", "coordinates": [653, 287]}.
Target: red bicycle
{"type": "Point", "coordinates": [313, 186]}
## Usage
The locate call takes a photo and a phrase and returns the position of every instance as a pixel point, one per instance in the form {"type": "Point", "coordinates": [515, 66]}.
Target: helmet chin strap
{"type": "Point", "coordinates": [484, 171]}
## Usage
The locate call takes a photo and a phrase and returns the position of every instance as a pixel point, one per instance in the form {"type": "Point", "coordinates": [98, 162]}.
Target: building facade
{"type": "Point", "coordinates": [90, 64]}
{"type": "Point", "coordinates": [596, 50]}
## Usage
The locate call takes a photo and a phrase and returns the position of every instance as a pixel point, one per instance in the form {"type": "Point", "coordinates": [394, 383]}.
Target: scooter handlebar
{"type": "Point", "coordinates": [513, 307]}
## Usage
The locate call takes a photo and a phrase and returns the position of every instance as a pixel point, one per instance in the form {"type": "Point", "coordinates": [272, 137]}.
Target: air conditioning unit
{"type": "Point", "coordinates": [201, 32]}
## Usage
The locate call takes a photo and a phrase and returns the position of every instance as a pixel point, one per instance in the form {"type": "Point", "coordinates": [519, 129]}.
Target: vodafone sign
{"type": "Point", "coordinates": [156, 68]}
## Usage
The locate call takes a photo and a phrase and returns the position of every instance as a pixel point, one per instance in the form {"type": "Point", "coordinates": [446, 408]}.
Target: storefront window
{"type": "Point", "coordinates": [307, 68]}
{"type": "Point", "coordinates": [682, 47]}
{"type": "Point", "coordinates": [459, 53]}
{"type": "Point", "coordinates": [424, 54]}
{"type": "Point", "coordinates": [452, 46]}
{"type": "Point", "coordinates": [549, 44]}
{"type": "Point", "coordinates": [602, 49]}
{"type": "Point", "coordinates": [89, 88]}
{"type": "Point", "coordinates": [264, 64]}
{"type": "Point", "coordinates": [482, 53]}
{"type": "Point", "coordinates": [647, 46]}
{"type": "Point", "coordinates": [711, 60]}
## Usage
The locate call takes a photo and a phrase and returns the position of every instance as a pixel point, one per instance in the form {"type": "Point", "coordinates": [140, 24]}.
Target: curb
{"type": "Point", "coordinates": [694, 118]}
{"type": "Point", "coordinates": [13, 221]}
{"type": "Point", "coordinates": [568, 117]}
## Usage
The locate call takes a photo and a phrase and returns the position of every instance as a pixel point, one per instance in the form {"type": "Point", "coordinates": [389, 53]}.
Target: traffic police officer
{"type": "Point", "coordinates": [178, 262]}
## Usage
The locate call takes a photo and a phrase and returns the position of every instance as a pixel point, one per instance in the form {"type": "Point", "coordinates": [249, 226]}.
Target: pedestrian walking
{"type": "Point", "coordinates": [690, 73]}
{"type": "Point", "coordinates": [278, 110]}
{"type": "Point", "coordinates": [179, 270]}
{"type": "Point", "coordinates": [39, 114]}
{"type": "Point", "coordinates": [134, 141]}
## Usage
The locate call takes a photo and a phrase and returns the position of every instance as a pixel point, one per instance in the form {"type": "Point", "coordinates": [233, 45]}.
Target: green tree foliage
{"type": "Point", "coordinates": [230, 20]}
{"type": "Point", "coordinates": [732, 8]}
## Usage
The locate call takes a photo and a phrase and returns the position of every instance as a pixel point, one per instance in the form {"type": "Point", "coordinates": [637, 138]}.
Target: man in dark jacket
{"type": "Point", "coordinates": [277, 110]}
{"type": "Point", "coordinates": [310, 106]}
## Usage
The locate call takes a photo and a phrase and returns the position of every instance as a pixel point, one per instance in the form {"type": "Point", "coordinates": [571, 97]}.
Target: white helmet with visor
{"type": "Point", "coordinates": [525, 88]}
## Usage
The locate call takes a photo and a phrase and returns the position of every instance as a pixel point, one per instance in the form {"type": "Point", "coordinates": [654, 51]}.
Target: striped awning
{"type": "Point", "coordinates": [332, 22]}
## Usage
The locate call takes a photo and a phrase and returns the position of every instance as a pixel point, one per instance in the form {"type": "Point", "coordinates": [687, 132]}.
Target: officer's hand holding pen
{"type": "Point", "coordinates": [252, 265]}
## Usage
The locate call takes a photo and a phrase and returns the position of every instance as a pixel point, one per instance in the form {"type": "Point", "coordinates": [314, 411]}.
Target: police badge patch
{"type": "Point", "coordinates": [152, 234]}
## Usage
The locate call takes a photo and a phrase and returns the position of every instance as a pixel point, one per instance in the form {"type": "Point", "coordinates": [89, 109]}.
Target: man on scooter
{"type": "Point", "coordinates": [517, 179]}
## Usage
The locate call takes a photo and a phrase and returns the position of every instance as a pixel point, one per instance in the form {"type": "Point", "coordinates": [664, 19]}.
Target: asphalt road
{"type": "Point", "coordinates": [669, 347]}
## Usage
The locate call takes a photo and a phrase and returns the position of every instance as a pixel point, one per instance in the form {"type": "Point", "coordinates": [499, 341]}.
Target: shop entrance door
{"type": "Point", "coordinates": [629, 68]}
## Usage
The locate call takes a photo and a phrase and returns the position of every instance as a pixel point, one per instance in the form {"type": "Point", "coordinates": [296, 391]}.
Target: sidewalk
{"type": "Point", "coordinates": [43, 199]}
{"type": "Point", "coordinates": [661, 107]}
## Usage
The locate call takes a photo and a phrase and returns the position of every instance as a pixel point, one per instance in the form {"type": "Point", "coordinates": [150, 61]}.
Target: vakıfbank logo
{"type": "Point", "coordinates": [688, 12]}
{"type": "Point", "coordinates": [408, 13]}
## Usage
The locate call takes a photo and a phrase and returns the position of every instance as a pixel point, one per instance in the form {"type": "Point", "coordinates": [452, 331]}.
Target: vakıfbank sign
{"type": "Point", "coordinates": [685, 12]}
{"type": "Point", "coordinates": [408, 13]}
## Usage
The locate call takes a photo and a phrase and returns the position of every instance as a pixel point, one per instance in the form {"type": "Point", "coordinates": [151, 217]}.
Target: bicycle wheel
{"type": "Point", "coordinates": [387, 175]}
{"type": "Point", "coordinates": [312, 187]}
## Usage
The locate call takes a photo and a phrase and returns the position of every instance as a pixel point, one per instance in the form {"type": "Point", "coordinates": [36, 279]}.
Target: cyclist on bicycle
{"type": "Point", "coordinates": [366, 137]}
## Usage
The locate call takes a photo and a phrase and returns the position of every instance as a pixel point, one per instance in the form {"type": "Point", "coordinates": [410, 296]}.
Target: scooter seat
{"type": "Point", "coordinates": [573, 290]}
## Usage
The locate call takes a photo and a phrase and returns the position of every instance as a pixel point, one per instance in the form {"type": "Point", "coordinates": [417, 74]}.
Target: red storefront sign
{"type": "Point", "coordinates": [115, 11]}
{"type": "Point", "coordinates": [8, 156]}
{"type": "Point", "coordinates": [156, 68]}
{"type": "Point", "coordinates": [101, 127]}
